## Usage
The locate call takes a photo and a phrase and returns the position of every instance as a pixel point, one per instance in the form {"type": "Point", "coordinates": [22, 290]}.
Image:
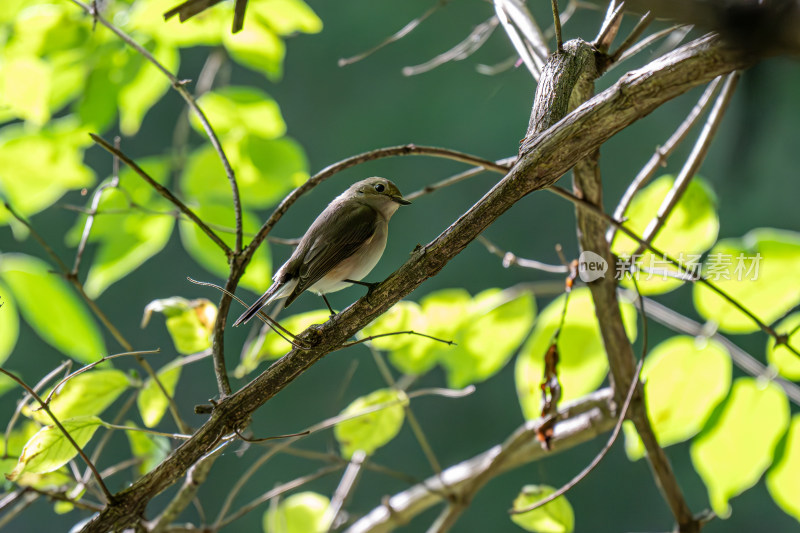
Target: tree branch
{"type": "Point", "coordinates": [543, 160]}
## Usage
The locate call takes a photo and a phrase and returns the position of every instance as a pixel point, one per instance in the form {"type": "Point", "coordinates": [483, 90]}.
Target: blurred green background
{"type": "Point", "coordinates": [336, 112]}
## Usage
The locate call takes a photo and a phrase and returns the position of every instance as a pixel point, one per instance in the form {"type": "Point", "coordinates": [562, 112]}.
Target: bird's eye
{"type": "Point", "coordinates": [379, 187]}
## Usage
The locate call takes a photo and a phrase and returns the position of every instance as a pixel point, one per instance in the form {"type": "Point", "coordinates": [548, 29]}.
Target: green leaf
{"type": "Point", "coordinates": [303, 512]}
{"type": "Point", "coordinates": [403, 316]}
{"type": "Point", "coordinates": [257, 47]}
{"type": "Point", "coordinates": [759, 271]}
{"type": "Point", "coordinates": [151, 449]}
{"type": "Point", "coordinates": [51, 308]}
{"type": "Point", "coordinates": [554, 517]}
{"type": "Point", "coordinates": [140, 94]}
{"type": "Point", "coordinates": [86, 394]}
{"type": "Point", "coordinates": [783, 479]}
{"type": "Point", "coordinates": [287, 16]}
{"type": "Point", "coordinates": [785, 362]}
{"type": "Point", "coordinates": [190, 322]}
{"type": "Point", "coordinates": [685, 379]}
{"type": "Point", "coordinates": [754, 418]}
{"type": "Point", "coordinates": [371, 431]}
{"type": "Point", "coordinates": [38, 167]}
{"type": "Point", "coordinates": [210, 256]}
{"type": "Point", "coordinates": [269, 345]}
{"type": "Point", "coordinates": [49, 449]}
{"type": "Point", "coordinates": [498, 322]}
{"type": "Point", "coordinates": [9, 324]}
{"type": "Point", "coordinates": [241, 108]}
{"type": "Point", "coordinates": [151, 401]}
{"type": "Point", "coordinates": [12, 447]}
{"type": "Point", "coordinates": [691, 229]}
{"type": "Point", "coordinates": [25, 88]}
{"type": "Point", "coordinates": [205, 28]}
{"type": "Point", "coordinates": [444, 312]}
{"type": "Point", "coordinates": [582, 362]}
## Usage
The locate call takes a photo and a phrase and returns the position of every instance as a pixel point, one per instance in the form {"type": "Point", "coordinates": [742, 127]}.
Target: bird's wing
{"type": "Point", "coordinates": [327, 249]}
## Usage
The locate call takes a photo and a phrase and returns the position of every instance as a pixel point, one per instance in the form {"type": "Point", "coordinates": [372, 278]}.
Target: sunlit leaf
{"type": "Point", "coordinates": [371, 431]}
{"type": "Point", "coordinates": [151, 449]}
{"type": "Point", "coordinates": [151, 400]}
{"type": "Point", "coordinates": [731, 455]}
{"type": "Point", "coordinates": [51, 307]}
{"type": "Point", "coordinates": [402, 316]}
{"type": "Point", "coordinates": [785, 362]}
{"type": "Point", "coordinates": [49, 449]}
{"type": "Point", "coordinates": [444, 312]}
{"type": "Point", "coordinates": [12, 447]}
{"type": "Point", "coordinates": [9, 324]}
{"type": "Point", "coordinates": [554, 517]}
{"type": "Point", "coordinates": [211, 257]}
{"type": "Point", "coordinates": [38, 167]}
{"type": "Point", "coordinates": [783, 479]}
{"type": "Point", "coordinates": [287, 16]}
{"type": "Point", "coordinates": [257, 47]}
{"type": "Point", "coordinates": [86, 394]}
{"type": "Point", "coordinates": [498, 323]}
{"type": "Point", "coordinates": [25, 88]}
{"type": "Point", "coordinates": [269, 345]}
{"type": "Point", "coordinates": [303, 512]}
{"type": "Point", "coordinates": [582, 362]}
{"type": "Point", "coordinates": [691, 229]}
{"type": "Point", "coordinates": [205, 28]}
{"type": "Point", "coordinates": [684, 381]}
{"type": "Point", "coordinates": [241, 108]}
{"type": "Point", "coordinates": [190, 322]}
{"type": "Point", "coordinates": [759, 271]}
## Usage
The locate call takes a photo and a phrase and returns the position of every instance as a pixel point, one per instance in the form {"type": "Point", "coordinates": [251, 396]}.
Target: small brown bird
{"type": "Point", "coordinates": [342, 246]}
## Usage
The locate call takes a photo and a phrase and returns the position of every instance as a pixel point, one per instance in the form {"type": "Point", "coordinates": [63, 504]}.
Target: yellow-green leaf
{"type": "Point", "coordinates": [287, 16]}
{"type": "Point", "coordinates": [141, 93]}
{"type": "Point", "coordinates": [759, 271]}
{"type": "Point", "coordinates": [731, 455]}
{"type": "Point", "coordinates": [685, 378]}
{"type": "Point", "coordinates": [9, 323]}
{"type": "Point", "coordinates": [498, 323]}
{"type": "Point", "coordinates": [691, 229]}
{"type": "Point", "coordinates": [257, 47]}
{"type": "Point", "coordinates": [269, 345]}
{"type": "Point", "coordinates": [554, 517]}
{"type": "Point", "coordinates": [582, 360]}
{"type": "Point", "coordinates": [783, 479]}
{"type": "Point", "coordinates": [303, 512]}
{"type": "Point", "coordinates": [785, 362]}
{"type": "Point", "coordinates": [49, 449]}
{"type": "Point", "coordinates": [51, 307]}
{"type": "Point", "coordinates": [86, 394]}
{"type": "Point", "coordinates": [369, 432]}
{"type": "Point", "coordinates": [241, 108]}
{"type": "Point", "coordinates": [151, 400]}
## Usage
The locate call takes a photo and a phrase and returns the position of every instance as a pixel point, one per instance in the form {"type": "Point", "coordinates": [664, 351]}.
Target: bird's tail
{"type": "Point", "coordinates": [253, 310]}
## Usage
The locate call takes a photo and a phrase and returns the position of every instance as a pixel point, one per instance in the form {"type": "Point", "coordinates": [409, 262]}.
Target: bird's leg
{"type": "Point", "coordinates": [333, 313]}
{"type": "Point", "coordinates": [367, 284]}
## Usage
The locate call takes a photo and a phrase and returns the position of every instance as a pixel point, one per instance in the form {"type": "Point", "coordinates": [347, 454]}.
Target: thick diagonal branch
{"type": "Point", "coordinates": [543, 161]}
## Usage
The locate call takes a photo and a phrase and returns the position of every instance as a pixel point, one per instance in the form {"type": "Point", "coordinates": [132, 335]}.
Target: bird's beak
{"type": "Point", "coordinates": [400, 200]}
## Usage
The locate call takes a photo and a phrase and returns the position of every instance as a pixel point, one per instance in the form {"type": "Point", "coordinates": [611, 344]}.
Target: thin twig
{"type": "Point", "coordinates": [402, 32]}
{"type": "Point", "coordinates": [345, 488]}
{"type": "Point", "coordinates": [659, 157]}
{"type": "Point", "coordinates": [92, 365]}
{"type": "Point", "coordinates": [644, 43]}
{"type": "Point", "coordinates": [180, 86]}
{"type": "Point", "coordinates": [163, 191]}
{"type": "Point", "coordinates": [557, 26]}
{"type": "Point", "coordinates": [87, 228]}
{"type": "Point", "coordinates": [510, 259]}
{"type": "Point", "coordinates": [407, 332]}
{"type": "Point", "coordinates": [635, 33]}
{"type": "Point", "coordinates": [694, 160]}
{"type": "Point", "coordinates": [106, 492]}
{"type": "Point", "coordinates": [461, 176]}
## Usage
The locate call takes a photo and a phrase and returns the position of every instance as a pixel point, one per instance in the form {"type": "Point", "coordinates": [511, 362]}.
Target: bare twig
{"type": "Point", "coordinates": [477, 37]}
{"type": "Point", "coordinates": [658, 159]}
{"type": "Point", "coordinates": [694, 160]}
{"type": "Point", "coordinates": [180, 87]}
{"type": "Point", "coordinates": [87, 228]}
{"type": "Point", "coordinates": [345, 488]}
{"type": "Point", "coordinates": [461, 176]}
{"type": "Point", "coordinates": [163, 191]}
{"type": "Point", "coordinates": [510, 259]}
{"type": "Point", "coordinates": [635, 33]}
{"type": "Point", "coordinates": [557, 26]}
{"type": "Point", "coordinates": [402, 32]}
